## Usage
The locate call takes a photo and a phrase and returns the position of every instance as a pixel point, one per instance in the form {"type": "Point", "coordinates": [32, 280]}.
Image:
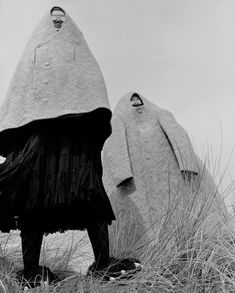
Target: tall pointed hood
{"type": "Point", "coordinates": [57, 75]}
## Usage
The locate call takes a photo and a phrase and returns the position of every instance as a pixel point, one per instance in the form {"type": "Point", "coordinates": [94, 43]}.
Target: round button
{"type": "Point", "coordinates": [47, 63]}
{"type": "Point", "coordinates": [45, 81]}
{"type": "Point", "coordinates": [139, 111]}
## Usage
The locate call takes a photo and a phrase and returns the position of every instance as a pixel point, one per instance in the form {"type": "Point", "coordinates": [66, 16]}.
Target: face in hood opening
{"type": "Point", "coordinates": [136, 100]}
{"type": "Point", "coordinates": [58, 17]}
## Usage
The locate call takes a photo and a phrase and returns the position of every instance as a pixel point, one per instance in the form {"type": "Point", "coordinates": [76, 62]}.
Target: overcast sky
{"type": "Point", "coordinates": [180, 54]}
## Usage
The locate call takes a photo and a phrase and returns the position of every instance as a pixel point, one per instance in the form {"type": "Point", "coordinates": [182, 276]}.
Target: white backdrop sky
{"type": "Point", "coordinates": [180, 54]}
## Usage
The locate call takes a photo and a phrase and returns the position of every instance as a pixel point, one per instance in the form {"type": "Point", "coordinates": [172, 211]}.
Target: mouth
{"type": "Point", "coordinates": [58, 23]}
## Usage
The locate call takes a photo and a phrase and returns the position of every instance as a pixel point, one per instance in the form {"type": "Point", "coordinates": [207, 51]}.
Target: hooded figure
{"type": "Point", "coordinates": [53, 124]}
{"type": "Point", "coordinates": [153, 176]}
{"type": "Point", "coordinates": [56, 76]}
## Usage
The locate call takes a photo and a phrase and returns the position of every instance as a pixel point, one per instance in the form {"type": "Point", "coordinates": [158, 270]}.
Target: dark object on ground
{"type": "Point", "coordinates": [117, 269]}
{"type": "Point", "coordinates": [35, 277]}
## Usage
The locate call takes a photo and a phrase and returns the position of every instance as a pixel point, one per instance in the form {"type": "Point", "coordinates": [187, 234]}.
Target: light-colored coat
{"type": "Point", "coordinates": [57, 75]}
{"type": "Point", "coordinates": [149, 146]}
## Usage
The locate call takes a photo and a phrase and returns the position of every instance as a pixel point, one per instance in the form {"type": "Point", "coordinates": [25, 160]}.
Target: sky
{"type": "Point", "coordinates": [180, 54]}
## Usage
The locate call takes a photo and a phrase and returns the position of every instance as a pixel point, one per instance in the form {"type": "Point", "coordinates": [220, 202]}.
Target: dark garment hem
{"type": "Point", "coordinates": [54, 177]}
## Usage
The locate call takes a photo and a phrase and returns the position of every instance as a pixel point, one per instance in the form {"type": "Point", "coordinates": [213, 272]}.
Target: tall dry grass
{"type": "Point", "coordinates": [195, 254]}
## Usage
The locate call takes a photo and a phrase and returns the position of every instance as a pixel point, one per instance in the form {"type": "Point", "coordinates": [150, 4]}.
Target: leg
{"type": "Point", "coordinates": [31, 239]}
{"type": "Point", "coordinates": [99, 237]}
{"type": "Point", "coordinates": [105, 267]}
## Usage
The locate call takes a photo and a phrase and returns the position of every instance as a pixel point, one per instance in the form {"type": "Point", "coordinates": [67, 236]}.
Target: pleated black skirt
{"type": "Point", "coordinates": [53, 176]}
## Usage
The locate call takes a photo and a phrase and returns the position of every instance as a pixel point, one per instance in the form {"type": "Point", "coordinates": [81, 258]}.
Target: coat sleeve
{"type": "Point", "coordinates": [116, 158]}
{"type": "Point", "coordinates": [179, 141]}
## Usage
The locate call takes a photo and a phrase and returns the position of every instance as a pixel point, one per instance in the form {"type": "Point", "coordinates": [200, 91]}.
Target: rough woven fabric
{"type": "Point", "coordinates": [56, 75]}
{"type": "Point", "coordinates": [149, 146]}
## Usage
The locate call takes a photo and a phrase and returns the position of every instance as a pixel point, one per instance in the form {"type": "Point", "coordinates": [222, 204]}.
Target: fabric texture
{"type": "Point", "coordinates": [143, 160]}
{"type": "Point", "coordinates": [55, 177]}
{"type": "Point", "coordinates": [57, 75]}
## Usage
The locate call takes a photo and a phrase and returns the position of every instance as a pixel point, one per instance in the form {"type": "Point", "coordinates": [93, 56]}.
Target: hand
{"type": "Point", "coordinates": [190, 176]}
{"type": "Point", "coordinates": [127, 186]}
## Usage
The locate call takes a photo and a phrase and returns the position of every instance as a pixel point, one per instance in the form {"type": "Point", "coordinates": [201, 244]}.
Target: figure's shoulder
{"type": "Point", "coordinates": [165, 112]}
{"type": "Point", "coordinates": [156, 109]}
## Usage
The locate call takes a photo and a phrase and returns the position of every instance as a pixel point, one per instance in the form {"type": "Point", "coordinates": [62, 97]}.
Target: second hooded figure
{"type": "Point", "coordinates": [152, 175]}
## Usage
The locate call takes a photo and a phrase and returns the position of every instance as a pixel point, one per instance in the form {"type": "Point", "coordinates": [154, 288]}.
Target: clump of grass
{"type": "Point", "coordinates": [59, 253]}
{"type": "Point", "coordinates": [193, 250]}
{"type": "Point", "coordinates": [8, 282]}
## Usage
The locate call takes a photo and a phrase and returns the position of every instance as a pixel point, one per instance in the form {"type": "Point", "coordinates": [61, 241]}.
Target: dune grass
{"type": "Point", "coordinates": [184, 257]}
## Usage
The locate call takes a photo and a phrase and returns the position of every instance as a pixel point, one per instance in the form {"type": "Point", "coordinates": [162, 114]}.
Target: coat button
{"type": "Point", "coordinates": [139, 111]}
{"type": "Point", "coordinates": [47, 63]}
{"type": "Point", "coordinates": [45, 81]}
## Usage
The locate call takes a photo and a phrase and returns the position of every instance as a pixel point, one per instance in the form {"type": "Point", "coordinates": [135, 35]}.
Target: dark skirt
{"type": "Point", "coordinates": [53, 177]}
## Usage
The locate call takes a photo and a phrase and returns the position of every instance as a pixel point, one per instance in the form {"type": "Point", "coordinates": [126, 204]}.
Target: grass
{"type": "Point", "coordinates": [184, 257]}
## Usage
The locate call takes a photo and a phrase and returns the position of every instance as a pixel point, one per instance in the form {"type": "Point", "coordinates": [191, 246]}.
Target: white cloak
{"type": "Point", "coordinates": [57, 75]}
{"type": "Point", "coordinates": [149, 146]}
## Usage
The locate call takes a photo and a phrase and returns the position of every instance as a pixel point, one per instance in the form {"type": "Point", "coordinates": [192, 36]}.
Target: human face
{"type": "Point", "coordinates": [58, 18]}
{"type": "Point", "coordinates": [136, 101]}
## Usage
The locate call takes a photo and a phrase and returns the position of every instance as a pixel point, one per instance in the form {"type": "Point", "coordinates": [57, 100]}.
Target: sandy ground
{"type": "Point", "coordinates": [72, 247]}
